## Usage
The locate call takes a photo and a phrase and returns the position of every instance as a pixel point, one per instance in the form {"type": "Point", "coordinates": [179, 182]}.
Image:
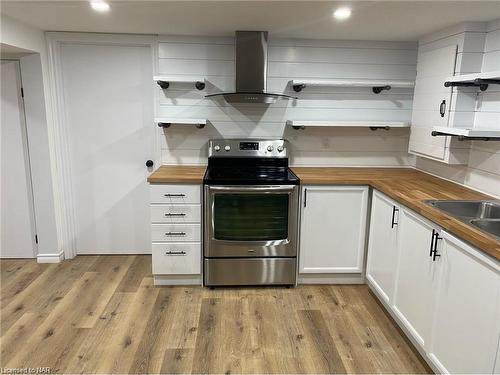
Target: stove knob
{"type": "Point", "coordinates": [280, 148]}
{"type": "Point", "coordinates": [217, 148]}
{"type": "Point", "coordinates": [227, 148]}
{"type": "Point", "coordinates": [270, 148]}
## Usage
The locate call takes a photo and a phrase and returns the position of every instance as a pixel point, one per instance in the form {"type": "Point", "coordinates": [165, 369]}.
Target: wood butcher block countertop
{"type": "Point", "coordinates": [405, 185]}
{"type": "Point", "coordinates": [410, 188]}
{"type": "Point", "coordinates": [178, 174]}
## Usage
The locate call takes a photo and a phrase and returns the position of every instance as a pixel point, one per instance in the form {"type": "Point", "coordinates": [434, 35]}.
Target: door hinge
{"type": "Point", "coordinates": [22, 92]}
{"type": "Point", "coordinates": [305, 197]}
{"type": "Point", "coordinates": [36, 238]}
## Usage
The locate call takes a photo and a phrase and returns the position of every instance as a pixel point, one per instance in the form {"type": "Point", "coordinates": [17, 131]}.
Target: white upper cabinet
{"type": "Point", "coordinates": [417, 275]}
{"type": "Point", "coordinates": [332, 233]}
{"type": "Point", "coordinates": [467, 317]}
{"type": "Point", "coordinates": [431, 101]}
{"type": "Point", "coordinates": [382, 247]}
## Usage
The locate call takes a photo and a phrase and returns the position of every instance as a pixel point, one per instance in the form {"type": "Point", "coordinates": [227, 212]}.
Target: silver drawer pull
{"type": "Point", "coordinates": [175, 253]}
{"type": "Point", "coordinates": [169, 214]}
{"type": "Point", "coordinates": [175, 234]}
{"type": "Point", "coordinates": [174, 195]}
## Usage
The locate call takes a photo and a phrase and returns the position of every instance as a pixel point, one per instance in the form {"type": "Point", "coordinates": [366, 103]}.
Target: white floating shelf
{"type": "Point", "coordinates": [349, 124]}
{"type": "Point", "coordinates": [467, 134]}
{"type": "Point", "coordinates": [165, 122]}
{"type": "Point", "coordinates": [164, 81]}
{"type": "Point", "coordinates": [377, 85]}
{"type": "Point", "coordinates": [481, 80]}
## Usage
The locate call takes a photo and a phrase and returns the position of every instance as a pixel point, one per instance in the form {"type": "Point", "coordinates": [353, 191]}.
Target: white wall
{"type": "Point", "coordinates": [483, 169]}
{"type": "Point", "coordinates": [213, 58]}
{"type": "Point", "coordinates": [35, 78]}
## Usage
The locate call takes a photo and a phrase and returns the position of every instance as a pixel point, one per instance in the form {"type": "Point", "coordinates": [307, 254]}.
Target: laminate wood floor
{"type": "Point", "coordinates": [102, 314]}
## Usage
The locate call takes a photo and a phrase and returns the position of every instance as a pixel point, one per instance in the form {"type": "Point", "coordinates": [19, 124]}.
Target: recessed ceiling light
{"type": "Point", "coordinates": [342, 13]}
{"type": "Point", "coordinates": [99, 6]}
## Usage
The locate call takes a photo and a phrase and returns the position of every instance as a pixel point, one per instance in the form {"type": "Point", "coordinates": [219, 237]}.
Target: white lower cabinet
{"type": "Point", "coordinates": [176, 233]}
{"type": "Point", "coordinates": [446, 293]}
{"type": "Point", "coordinates": [332, 231]}
{"type": "Point", "coordinates": [417, 274]}
{"type": "Point", "coordinates": [467, 315]}
{"type": "Point", "coordinates": [382, 254]}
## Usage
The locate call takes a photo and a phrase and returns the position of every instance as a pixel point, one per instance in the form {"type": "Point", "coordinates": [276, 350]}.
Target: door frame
{"type": "Point", "coordinates": [60, 137]}
{"type": "Point", "coordinates": [26, 152]}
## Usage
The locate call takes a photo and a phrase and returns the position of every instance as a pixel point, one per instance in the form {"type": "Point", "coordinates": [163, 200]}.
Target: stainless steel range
{"type": "Point", "coordinates": [251, 205]}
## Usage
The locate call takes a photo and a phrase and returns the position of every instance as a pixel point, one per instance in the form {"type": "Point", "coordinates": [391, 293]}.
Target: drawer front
{"type": "Point", "coordinates": [172, 213]}
{"type": "Point", "coordinates": [175, 193]}
{"type": "Point", "coordinates": [175, 232]}
{"type": "Point", "coordinates": [176, 259]}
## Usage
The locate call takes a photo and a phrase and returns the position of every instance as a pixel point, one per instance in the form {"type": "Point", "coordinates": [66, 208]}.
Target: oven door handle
{"type": "Point", "coordinates": [253, 188]}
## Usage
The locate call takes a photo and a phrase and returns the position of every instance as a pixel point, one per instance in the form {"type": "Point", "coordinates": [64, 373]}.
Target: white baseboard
{"type": "Point", "coordinates": [177, 279]}
{"type": "Point", "coordinates": [340, 278]}
{"type": "Point", "coordinates": [50, 258]}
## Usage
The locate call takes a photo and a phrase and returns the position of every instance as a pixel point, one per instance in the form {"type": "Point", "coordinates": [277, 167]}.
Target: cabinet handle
{"type": "Point", "coordinates": [435, 254]}
{"type": "Point", "coordinates": [394, 210]}
{"type": "Point", "coordinates": [305, 197]}
{"type": "Point", "coordinates": [175, 234]}
{"type": "Point", "coordinates": [434, 233]}
{"type": "Point", "coordinates": [174, 214]}
{"type": "Point", "coordinates": [174, 195]}
{"type": "Point", "coordinates": [175, 253]}
{"type": "Point", "coordinates": [442, 108]}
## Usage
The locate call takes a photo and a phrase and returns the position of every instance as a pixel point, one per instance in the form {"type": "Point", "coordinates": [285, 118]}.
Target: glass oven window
{"type": "Point", "coordinates": [250, 217]}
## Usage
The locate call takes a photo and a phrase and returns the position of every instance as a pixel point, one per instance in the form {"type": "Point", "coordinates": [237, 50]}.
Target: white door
{"type": "Point", "coordinates": [431, 100]}
{"type": "Point", "coordinates": [382, 247]}
{"type": "Point", "coordinates": [332, 233]}
{"type": "Point", "coordinates": [467, 318]}
{"type": "Point", "coordinates": [108, 95]}
{"type": "Point", "coordinates": [17, 219]}
{"type": "Point", "coordinates": [417, 276]}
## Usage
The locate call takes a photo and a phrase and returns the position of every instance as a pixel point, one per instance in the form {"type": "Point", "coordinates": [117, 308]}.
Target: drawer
{"type": "Point", "coordinates": [176, 213]}
{"type": "Point", "coordinates": [177, 259]}
{"type": "Point", "coordinates": [175, 193]}
{"type": "Point", "coordinates": [175, 232]}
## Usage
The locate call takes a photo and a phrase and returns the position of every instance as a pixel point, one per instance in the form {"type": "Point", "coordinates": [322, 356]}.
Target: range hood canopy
{"type": "Point", "coordinates": [251, 71]}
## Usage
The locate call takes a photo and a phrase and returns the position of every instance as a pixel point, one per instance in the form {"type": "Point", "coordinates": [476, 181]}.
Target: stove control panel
{"type": "Point", "coordinates": [272, 148]}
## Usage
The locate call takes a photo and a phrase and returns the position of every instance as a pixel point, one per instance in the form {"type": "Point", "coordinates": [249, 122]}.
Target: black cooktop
{"type": "Point", "coordinates": [249, 171]}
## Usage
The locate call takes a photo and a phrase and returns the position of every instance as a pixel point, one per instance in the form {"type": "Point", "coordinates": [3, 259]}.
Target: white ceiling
{"type": "Point", "coordinates": [371, 20]}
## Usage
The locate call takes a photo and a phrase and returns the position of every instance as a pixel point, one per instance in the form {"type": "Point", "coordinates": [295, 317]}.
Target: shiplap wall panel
{"type": "Point", "coordinates": [483, 169]}
{"type": "Point", "coordinates": [289, 59]}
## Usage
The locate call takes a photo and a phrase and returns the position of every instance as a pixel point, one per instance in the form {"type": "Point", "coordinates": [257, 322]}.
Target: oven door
{"type": "Point", "coordinates": [251, 221]}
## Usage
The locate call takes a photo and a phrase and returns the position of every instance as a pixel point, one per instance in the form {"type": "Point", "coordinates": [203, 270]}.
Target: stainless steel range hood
{"type": "Point", "coordinates": [251, 71]}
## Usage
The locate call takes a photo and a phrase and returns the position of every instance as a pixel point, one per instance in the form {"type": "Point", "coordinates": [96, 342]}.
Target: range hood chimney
{"type": "Point", "coordinates": [251, 70]}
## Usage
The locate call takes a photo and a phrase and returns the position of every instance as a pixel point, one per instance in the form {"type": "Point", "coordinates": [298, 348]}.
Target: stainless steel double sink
{"type": "Point", "coordinates": [484, 215]}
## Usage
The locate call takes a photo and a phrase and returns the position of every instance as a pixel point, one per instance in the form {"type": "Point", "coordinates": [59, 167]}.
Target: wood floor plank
{"type": "Point", "coordinates": [127, 336]}
{"type": "Point", "coordinates": [324, 349]}
{"type": "Point", "coordinates": [102, 314]}
{"type": "Point", "coordinates": [151, 351]}
{"type": "Point", "coordinates": [139, 269]}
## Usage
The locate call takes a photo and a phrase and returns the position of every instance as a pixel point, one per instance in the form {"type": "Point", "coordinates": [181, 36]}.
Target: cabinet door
{"type": "Point", "coordinates": [333, 225]}
{"type": "Point", "coordinates": [382, 246]}
{"type": "Point", "coordinates": [429, 99]}
{"type": "Point", "coordinates": [417, 276]}
{"type": "Point", "coordinates": [467, 318]}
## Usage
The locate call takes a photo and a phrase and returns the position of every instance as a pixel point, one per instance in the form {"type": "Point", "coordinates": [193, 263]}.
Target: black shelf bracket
{"type": "Point", "coordinates": [298, 88]}
{"type": "Point", "coordinates": [374, 128]}
{"type": "Point", "coordinates": [465, 138]}
{"type": "Point", "coordinates": [379, 89]}
{"type": "Point", "coordinates": [165, 125]}
{"type": "Point", "coordinates": [478, 82]}
{"type": "Point", "coordinates": [166, 84]}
